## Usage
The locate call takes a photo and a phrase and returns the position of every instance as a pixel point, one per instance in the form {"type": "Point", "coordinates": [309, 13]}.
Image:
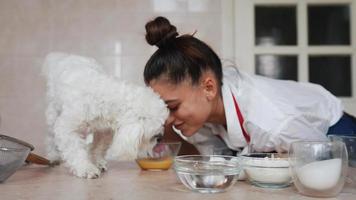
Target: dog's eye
{"type": "Point", "coordinates": [157, 138]}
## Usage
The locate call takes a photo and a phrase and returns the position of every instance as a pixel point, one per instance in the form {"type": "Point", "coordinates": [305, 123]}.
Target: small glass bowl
{"type": "Point", "coordinates": [267, 170]}
{"type": "Point", "coordinates": [350, 142]}
{"type": "Point", "coordinates": [161, 157]}
{"type": "Point", "coordinates": [209, 173]}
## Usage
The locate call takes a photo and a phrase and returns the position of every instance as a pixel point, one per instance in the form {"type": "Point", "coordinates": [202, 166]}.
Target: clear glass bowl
{"type": "Point", "coordinates": [318, 168]}
{"type": "Point", "coordinates": [160, 158]}
{"type": "Point", "coordinates": [207, 174]}
{"type": "Point", "coordinates": [350, 142]}
{"type": "Point", "coordinates": [268, 170]}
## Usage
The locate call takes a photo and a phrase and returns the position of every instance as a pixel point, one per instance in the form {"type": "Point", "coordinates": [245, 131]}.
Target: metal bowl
{"type": "Point", "coordinates": [12, 156]}
{"type": "Point", "coordinates": [207, 174]}
{"type": "Point", "coordinates": [10, 160]}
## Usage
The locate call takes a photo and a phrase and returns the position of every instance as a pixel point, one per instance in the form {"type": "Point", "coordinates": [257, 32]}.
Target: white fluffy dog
{"type": "Point", "coordinates": [93, 117]}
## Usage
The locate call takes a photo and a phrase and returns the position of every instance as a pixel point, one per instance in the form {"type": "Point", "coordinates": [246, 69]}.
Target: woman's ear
{"type": "Point", "coordinates": [210, 86]}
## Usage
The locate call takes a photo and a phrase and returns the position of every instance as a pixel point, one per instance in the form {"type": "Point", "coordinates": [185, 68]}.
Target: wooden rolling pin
{"type": "Point", "coordinates": [36, 159]}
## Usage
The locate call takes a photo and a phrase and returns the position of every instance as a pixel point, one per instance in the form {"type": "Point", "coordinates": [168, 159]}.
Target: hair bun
{"type": "Point", "coordinates": [160, 31]}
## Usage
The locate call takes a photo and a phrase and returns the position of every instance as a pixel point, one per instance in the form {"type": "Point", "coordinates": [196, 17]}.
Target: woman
{"type": "Point", "coordinates": [210, 106]}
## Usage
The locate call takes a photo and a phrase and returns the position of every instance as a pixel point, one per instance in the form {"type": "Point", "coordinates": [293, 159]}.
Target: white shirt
{"type": "Point", "coordinates": [275, 112]}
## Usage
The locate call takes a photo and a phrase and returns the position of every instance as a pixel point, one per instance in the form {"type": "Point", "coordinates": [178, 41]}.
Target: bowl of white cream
{"type": "Point", "coordinates": [268, 170]}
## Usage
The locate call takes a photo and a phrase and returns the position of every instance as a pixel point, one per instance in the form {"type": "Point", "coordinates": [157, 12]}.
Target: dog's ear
{"type": "Point", "coordinates": [126, 141]}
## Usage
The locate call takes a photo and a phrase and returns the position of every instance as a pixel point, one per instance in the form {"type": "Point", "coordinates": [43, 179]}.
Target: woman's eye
{"type": "Point", "coordinates": [173, 108]}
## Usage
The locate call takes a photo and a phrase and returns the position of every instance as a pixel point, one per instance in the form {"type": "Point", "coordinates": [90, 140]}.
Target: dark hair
{"type": "Point", "coordinates": [178, 57]}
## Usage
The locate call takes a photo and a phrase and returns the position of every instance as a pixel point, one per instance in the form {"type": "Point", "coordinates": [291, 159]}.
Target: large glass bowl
{"type": "Point", "coordinates": [268, 170]}
{"type": "Point", "coordinates": [207, 174]}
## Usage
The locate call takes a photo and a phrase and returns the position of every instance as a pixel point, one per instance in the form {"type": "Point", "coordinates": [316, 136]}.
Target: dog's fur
{"type": "Point", "coordinates": [93, 117]}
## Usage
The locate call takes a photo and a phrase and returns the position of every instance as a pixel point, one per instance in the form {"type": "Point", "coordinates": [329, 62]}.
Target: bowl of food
{"type": "Point", "coordinates": [209, 173]}
{"type": "Point", "coordinates": [12, 156]}
{"type": "Point", "coordinates": [268, 170]}
{"type": "Point", "coordinates": [160, 158]}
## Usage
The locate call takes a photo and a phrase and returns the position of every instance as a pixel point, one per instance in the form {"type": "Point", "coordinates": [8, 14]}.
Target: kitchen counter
{"type": "Point", "coordinates": [125, 180]}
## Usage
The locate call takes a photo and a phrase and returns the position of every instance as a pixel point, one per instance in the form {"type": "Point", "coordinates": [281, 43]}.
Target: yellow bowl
{"type": "Point", "coordinates": [155, 163]}
{"type": "Point", "coordinates": [161, 160]}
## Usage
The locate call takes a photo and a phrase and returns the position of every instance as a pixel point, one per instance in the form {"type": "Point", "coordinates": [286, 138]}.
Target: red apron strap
{"type": "Point", "coordinates": [241, 120]}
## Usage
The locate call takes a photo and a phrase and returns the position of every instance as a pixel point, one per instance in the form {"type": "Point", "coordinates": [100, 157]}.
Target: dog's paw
{"type": "Point", "coordinates": [53, 163]}
{"type": "Point", "coordinates": [54, 159]}
{"type": "Point", "coordinates": [94, 173]}
{"type": "Point", "coordinates": [102, 165]}
{"type": "Point", "coordinates": [89, 171]}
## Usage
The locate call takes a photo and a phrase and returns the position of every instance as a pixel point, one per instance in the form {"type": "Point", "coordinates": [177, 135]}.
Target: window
{"type": "Point", "coordinates": [303, 40]}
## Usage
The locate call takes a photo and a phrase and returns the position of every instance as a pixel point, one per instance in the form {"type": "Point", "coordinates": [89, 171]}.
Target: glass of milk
{"type": "Point", "coordinates": [318, 168]}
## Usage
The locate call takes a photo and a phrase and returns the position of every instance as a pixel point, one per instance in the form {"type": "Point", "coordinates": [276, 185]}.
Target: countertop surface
{"type": "Point", "coordinates": [124, 180]}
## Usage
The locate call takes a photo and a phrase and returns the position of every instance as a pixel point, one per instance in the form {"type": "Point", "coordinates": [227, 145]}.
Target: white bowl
{"type": "Point", "coordinates": [207, 174]}
{"type": "Point", "coordinates": [268, 170]}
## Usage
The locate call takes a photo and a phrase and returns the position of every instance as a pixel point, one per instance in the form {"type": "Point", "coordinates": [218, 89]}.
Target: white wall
{"type": "Point", "coordinates": [111, 31]}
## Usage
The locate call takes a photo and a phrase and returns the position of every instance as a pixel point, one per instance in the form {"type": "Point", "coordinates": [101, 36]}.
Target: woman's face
{"type": "Point", "coordinates": [188, 104]}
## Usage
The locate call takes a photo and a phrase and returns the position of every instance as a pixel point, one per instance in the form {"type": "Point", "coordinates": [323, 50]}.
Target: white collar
{"type": "Point", "coordinates": [233, 137]}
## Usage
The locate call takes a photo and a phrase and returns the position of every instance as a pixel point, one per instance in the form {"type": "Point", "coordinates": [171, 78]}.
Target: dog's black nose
{"type": "Point", "coordinates": [158, 138]}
